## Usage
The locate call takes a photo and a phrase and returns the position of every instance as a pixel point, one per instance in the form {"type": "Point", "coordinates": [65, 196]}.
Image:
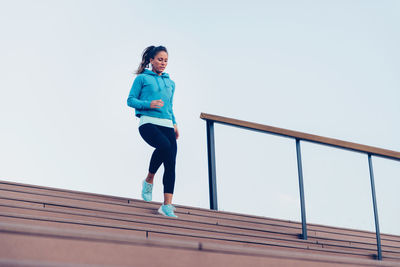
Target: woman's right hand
{"type": "Point", "coordinates": [156, 103]}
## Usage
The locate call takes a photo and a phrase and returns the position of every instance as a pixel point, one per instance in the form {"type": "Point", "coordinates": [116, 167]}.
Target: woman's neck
{"type": "Point", "coordinates": [158, 73]}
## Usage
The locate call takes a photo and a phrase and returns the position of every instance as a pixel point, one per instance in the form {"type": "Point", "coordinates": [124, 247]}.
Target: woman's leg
{"type": "Point", "coordinates": [155, 138]}
{"type": "Point", "coordinates": [164, 140]}
{"type": "Point", "coordinates": [169, 165]}
{"type": "Point", "coordinates": [155, 163]}
{"type": "Point", "coordinates": [168, 198]}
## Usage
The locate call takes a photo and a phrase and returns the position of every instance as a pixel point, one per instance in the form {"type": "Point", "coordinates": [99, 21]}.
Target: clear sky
{"type": "Point", "coordinates": [329, 68]}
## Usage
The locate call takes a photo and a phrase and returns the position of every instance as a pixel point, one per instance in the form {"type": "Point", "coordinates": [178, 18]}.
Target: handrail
{"type": "Point", "coordinates": [297, 136]}
{"type": "Point", "coordinates": [375, 151]}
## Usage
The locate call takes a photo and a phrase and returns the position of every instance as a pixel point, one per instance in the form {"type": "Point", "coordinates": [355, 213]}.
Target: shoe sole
{"type": "Point", "coordinates": [146, 200]}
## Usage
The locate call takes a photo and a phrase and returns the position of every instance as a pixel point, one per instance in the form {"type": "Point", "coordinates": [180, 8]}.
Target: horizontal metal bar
{"type": "Point", "coordinates": [375, 151]}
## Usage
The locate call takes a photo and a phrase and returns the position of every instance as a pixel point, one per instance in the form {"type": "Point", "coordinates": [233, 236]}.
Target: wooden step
{"type": "Point", "coordinates": [30, 244]}
{"type": "Point", "coordinates": [127, 227]}
{"type": "Point", "coordinates": [140, 210]}
{"type": "Point", "coordinates": [189, 210]}
{"type": "Point", "coordinates": [157, 220]}
{"type": "Point", "coordinates": [66, 209]}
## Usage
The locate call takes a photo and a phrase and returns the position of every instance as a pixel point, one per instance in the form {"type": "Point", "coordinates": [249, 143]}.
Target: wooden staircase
{"type": "Point", "coordinates": [42, 226]}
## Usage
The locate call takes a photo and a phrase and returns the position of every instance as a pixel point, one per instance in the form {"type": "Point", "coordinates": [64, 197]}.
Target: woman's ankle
{"type": "Point", "coordinates": [150, 178]}
{"type": "Point", "coordinates": [167, 198]}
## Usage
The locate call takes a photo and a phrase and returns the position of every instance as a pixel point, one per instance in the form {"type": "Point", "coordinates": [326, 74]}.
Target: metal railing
{"type": "Point", "coordinates": [297, 136]}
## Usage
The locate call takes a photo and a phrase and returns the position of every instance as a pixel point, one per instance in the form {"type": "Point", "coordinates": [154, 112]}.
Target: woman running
{"type": "Point", "coordinates": [151, 96]}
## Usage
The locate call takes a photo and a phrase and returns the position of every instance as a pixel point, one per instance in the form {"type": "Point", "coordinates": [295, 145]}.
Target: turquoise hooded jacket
{"type": "Point", "coordinates": [149, 86]}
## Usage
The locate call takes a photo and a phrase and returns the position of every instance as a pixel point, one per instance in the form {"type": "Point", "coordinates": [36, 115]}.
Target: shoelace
{"type": "Point", "coordinates": [170, 208]}
{"type": "Point", "coordinates": [148, 187]}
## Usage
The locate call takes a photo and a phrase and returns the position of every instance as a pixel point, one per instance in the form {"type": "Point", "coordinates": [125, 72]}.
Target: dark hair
{"type": "Point", "coordinates": [149, 53]}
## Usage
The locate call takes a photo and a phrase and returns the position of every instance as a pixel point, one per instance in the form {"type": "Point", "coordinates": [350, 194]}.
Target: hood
{"type": "Point", "coordinates": [164, 76]}
{"type": "Point", "coordinates": [149, 72]}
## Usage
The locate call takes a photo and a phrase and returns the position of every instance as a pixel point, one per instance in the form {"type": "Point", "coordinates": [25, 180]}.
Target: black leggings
{"type": "Point", "coordinates": [164, 141]}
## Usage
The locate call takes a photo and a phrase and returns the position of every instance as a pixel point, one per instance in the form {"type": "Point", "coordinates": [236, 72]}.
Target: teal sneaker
{"type": "Point", "coordinates": [167, 210]}
{"type": "Point", "coordinates": [147, 190]}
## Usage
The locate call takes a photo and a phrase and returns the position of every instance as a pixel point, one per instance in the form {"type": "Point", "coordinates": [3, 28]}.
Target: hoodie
{"type": "Point", "coordinates": [149, 86]}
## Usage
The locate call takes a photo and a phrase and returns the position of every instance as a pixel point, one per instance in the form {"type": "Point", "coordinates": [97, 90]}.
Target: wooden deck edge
{"type": "Point", "coordinates": [21, 229]}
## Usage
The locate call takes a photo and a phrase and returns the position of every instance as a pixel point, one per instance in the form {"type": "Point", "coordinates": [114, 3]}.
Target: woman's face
{"type": "Point", "coordinates": [159, 62]}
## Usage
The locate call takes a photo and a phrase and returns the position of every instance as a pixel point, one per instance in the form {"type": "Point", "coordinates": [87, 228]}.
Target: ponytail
{"type": "Point", "coordinates": [149, 53]}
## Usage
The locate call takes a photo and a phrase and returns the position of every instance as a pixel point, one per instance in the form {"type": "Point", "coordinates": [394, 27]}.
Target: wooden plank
{"type": "Point", "coordinates": [304, 136]}
{"type": "Point", "coordinates": [350, 232]}
{"type": "Point", "coordinates": [230, 242]}
{"type": "Point", "coordinates": [372, 252]}
{"type": "Point", "coordinates": [353, 244]}
{"type": "Point", "coordinates": [276, 246]}
{"type": "Point", "coordinates": [68, 225]}
{"type": "Point", "coordinates": [64, 192]}
{"type": "Point", "coordinates": [41, 263]}
{"type": "Point", "coordinates": [43, 199]}
{"type": "Point", "coordinates": [352, 238]}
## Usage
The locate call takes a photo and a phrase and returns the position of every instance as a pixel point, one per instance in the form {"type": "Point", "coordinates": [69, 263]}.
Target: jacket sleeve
{"type": "Point", "coordinates": [172, 103]}
{"type": "Point", "coordinates": [134, 95]}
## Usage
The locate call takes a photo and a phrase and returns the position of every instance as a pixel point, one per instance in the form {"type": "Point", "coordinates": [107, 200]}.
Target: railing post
{"type": "Point", "coordinates": [378, 233]}
{"type": "Point", "coordinates": [212, 179]}
{"type": "Point", "coordinates": [301, 187]}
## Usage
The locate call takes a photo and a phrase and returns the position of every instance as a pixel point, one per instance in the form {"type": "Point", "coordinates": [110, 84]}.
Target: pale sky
{"type": "Point", "coordinates": [329, 68]}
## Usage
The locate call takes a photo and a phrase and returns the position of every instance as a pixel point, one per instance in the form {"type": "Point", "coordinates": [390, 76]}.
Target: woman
{"type": "Point", "coordinates": [151, 96]}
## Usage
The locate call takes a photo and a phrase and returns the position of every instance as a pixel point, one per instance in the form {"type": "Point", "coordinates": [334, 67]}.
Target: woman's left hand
{"type": "Point", "coordinates": [176, 131]}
